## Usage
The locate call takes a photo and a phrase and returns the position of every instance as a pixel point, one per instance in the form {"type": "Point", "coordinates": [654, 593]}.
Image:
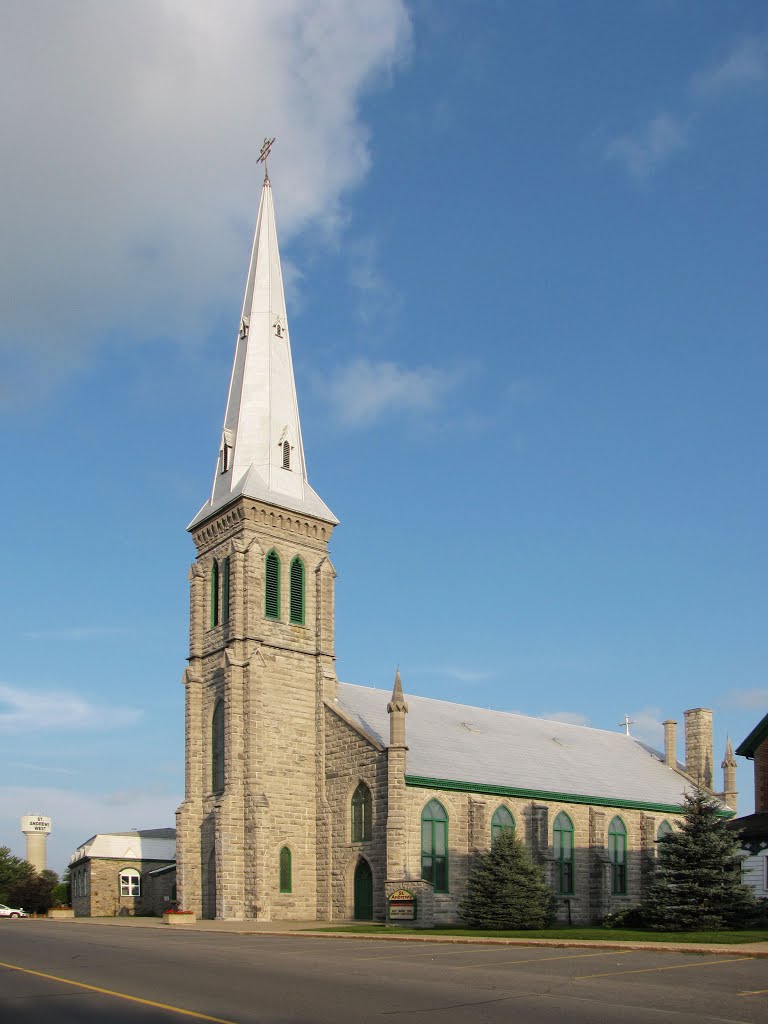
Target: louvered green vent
{"type": "Point", "coordinates": [272, 586]}
{"type": "Point", "coordinates": [297, 591]}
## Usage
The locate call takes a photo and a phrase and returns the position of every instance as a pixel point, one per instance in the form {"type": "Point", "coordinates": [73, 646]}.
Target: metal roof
{"type": "Point", "coordinates": [146, 844]}
{"type": "Point", "coordinates": [498, 749]}
{"type": "Point", "coordinates": [261, 452]}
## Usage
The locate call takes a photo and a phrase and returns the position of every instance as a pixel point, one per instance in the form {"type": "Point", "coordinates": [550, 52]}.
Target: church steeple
{"type": "Point", "coordinates": [261, 454]}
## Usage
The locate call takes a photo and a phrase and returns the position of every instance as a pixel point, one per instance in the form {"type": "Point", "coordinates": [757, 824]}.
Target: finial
{"type": "Point", "coordinates": [626, 724]}
{"type": "Point", "coordinates": [265, 150]}
{"type": "Point", "coordinates": [397, 692]}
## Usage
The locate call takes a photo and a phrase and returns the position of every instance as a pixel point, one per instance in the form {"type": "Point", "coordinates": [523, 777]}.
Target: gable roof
{"type": "Point", "coordinates": [749, 746]}
{"type": "Point", "coordinates": [477, 749]}
{"type": "Point", "coordinates": [144, 844]}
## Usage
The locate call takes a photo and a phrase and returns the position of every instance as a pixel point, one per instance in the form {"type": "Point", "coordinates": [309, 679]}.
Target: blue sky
{"type": "Point", "coordinates": [525, 261]}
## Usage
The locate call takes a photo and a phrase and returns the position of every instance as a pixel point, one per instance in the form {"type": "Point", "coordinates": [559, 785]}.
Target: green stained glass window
{"type": "Point", "coordinates": [225, 592]}
{"type": "Point", "coordinates": [286, 879]}
{"type": "Point", "coordinates": [297, 591]}
{"type": "Point", "coordinates": [361, 814]}
{"type": "Point", "coordinates": [617, 854]}
{"type": "Point", "coordinates": [502, 821]}
{"type": "Point", "coordinates": [214, 594]}
{"type": "Point", "coordinates": [217, 747]}
{"type": "Point", "coordinates": [272, 586]}
{"type": "Point", "coordinates": [434, 845]}
{"type": "Point", "coordinates": [562, 843]}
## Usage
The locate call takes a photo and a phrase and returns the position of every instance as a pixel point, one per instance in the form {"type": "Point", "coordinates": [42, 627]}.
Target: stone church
{"type": "Point", "coordinates": [311, 799]}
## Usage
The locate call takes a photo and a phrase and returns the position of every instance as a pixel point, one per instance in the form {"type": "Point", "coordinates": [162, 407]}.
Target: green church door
{"type": "Point", "coordinates": [363, 892]}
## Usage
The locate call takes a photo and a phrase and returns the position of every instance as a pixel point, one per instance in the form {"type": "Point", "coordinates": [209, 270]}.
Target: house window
{"type": "Point", "coordinates": [562, 843]}
{"type": "Point", "coordinates": [84, 882]}
{"type": "Point", "coordinates": [502, 821]}
{"type": "Point", "coordinates": [214, 594]}
{"type": "Point", "coordinates": [617, 853]}
{"type": "Point", "coordinates": [434, 845]}
{"type": "Point", "coordinates": [297, 591]}
{"type": "Point", "coordinates": [130, 883]}
{"type": "Point", "coordinates": [361, 814]}
{"type": "Point", "coordinates": [225, 592]}
{"type": "Point", "coordinates": [217, 747]}
{"type": "Point", "coordinates": [272, 586]}
{"type": "Point", "coordinates": [286, 881]}
{"type": "Point", "coordinates": [286, 455]}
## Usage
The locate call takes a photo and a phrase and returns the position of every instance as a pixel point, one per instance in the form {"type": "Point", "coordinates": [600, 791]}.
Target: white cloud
{"type": "Point", "coordinates": [569, 717]}
{"type": "Point", "coordinates": [755, 698]}
{"type": "Point", "coordinates": [462, 675]}
{"type": "Point", "coordinates": [363, 391]}
{"type": "Point", "coordinates": [128, 141]}
{"type": "Point", "coordinates": [77, 633]}
{"type": "Point", "coordinates": [648, 726]}
{"type": "Point", "coordinates": [644, 151]}
{"type": "Point", "coordinates": [78, 816]}
{"type": "Point", "coordinates": [21, 710]}
{"type": "Point", "coordinates": [746, 64]}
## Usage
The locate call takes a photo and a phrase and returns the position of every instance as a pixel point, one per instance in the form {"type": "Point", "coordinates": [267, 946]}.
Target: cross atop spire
{"type": "Point", "coordinates": [265, 151]}
{"type": "Point", "coordinates": [626, 724]}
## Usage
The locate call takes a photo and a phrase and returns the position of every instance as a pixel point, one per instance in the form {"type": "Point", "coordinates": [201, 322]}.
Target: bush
{"type": "Point", "coordinates": [506, 890]}
{"type": "Point", "coordinates": [629, 917]}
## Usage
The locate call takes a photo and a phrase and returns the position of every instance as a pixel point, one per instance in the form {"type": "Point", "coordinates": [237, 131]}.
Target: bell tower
{"type": "Point", "coordinates": [253, 830]}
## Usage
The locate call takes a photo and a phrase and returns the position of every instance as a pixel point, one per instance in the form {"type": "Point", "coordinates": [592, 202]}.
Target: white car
{"type": "Point", "coordinates": [10, 912]}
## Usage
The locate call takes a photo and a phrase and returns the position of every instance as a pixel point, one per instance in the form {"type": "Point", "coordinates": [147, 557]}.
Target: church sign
{"type": "Point", "coordinates": [401, 905]}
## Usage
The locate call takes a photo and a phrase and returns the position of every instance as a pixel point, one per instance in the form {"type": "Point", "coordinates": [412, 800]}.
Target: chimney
{"type": "Point", "coordinates": [699, 751]}
{"type": "Point", "coordinates": [670, 743]}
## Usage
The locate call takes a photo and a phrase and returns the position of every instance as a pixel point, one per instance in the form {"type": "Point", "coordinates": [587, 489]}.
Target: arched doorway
{"type": "Point", "coordinates": [209, 887]}
{"type": "Point", "coordinates": [363, 891]}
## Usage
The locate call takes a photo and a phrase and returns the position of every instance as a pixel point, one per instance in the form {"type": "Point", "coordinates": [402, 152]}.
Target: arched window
{"type": "Point", "coordinates": [297, 591]}
{"type": "Point", "coordinates": [272, 586]}
{"type": "Point", "coordinates": [665, 829]}
{"type": "Point", "coordinates": [502, 821]}
{"type": "Point", "coordinates": [562, 842]}
{"type": "Point", "coordinates": [214, 594]}
{"type": "Point", "coordinates": [286, 880]}
{"type": "Point", "coordinates": [361, 814]}
{"type": "Point", "coordinates": [225, 592]}
{"type": "Point", "coordinates": [434, 845]}
{"type": "Point", "coordinates": [217, 747]}
{"type": "Point", "coordinates": [617, 853]}
{"type": "Point", "coordinates": [130, 882]}
{"type": "Point", "coordinates": [286, 455]}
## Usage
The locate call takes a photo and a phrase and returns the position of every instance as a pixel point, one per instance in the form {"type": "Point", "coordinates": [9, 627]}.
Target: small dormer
{"type": "Point", "coordinates": [225, 453]}
{"type": "Point", "coordinates": [286, 449]}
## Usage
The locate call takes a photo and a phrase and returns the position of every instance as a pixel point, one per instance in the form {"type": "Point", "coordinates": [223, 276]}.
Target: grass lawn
{"type": "Point", "coordinates": [600, 934]}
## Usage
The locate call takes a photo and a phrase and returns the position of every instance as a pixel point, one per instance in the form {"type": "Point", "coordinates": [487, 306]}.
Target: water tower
{"type": "Point", "coordinates": [37, 829]}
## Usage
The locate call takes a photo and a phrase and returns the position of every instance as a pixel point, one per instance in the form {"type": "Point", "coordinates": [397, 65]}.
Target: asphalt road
{"type": "Point", "coordinates": [275, 978]}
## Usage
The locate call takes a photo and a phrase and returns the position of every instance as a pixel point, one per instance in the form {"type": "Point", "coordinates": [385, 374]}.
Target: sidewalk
{"type": "Point", "coordinates": [308, 929]}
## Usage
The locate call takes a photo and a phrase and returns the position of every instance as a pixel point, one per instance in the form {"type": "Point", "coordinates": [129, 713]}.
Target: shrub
{"type": "Point", "coordinates": [506, 889]}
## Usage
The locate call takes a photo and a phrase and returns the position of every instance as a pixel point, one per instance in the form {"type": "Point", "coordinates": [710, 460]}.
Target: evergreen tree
{"type": "Point", "coordinates": [506, 889]}
{"type": "Point", "coordinates": [697, 881]}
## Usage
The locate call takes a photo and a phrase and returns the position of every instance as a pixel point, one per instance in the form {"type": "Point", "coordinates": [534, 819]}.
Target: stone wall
{"type": "Point", "coordinates": [350, 758]}
{"type": "Point", "coordinates": [272, 676]}
{"type": "Point", "coordinates": [469, 832]}
{"type": "Point", "coordinates": [104, 898]}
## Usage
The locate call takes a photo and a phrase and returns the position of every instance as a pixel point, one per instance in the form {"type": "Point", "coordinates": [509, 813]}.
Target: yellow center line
{"type": "Point", "coordinates": [673, 967]}
{"type": "Point", "coordinates": [758, 992]}
{"type": "Point", "coordinates": [544, 959]}
{"type": "Point", "coordinates": [118, 995]}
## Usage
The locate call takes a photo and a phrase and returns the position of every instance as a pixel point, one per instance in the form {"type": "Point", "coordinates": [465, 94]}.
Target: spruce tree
{"type": "Point", "coordinates": [506, 889]}
{"type": "Point", "coordinates": [697, 881]}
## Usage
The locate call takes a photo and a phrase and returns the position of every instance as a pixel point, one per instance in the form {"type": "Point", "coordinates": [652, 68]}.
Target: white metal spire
{"type": "Point", "coordinates": [261, 454]}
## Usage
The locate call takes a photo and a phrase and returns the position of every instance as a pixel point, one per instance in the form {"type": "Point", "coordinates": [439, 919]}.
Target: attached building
{"type": "Point", "coordinates": [124, 873]}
